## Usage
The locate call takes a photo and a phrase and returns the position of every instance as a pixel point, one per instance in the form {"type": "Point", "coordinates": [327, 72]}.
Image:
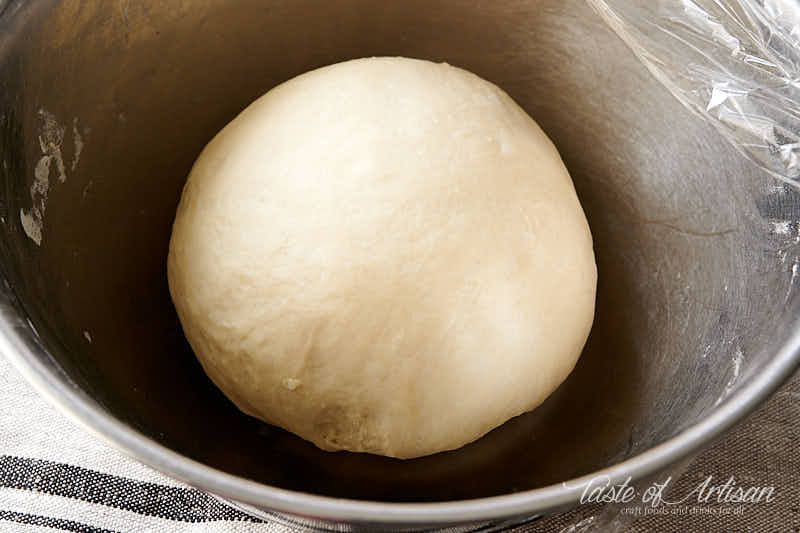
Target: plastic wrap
{"type": "Point", "coordinates": [736, 63]}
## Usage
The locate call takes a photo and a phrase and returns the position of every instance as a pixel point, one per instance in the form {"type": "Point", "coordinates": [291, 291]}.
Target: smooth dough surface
{"type": "Point", "coordinates": [384, 255]}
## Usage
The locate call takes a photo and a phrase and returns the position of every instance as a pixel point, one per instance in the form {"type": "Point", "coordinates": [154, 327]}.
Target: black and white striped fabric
{"type": "Point", "coordinates": [55, 476]}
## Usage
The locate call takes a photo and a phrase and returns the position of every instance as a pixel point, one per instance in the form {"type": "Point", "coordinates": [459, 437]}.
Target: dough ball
{"type": "Point", "coordinates": [384, 255]}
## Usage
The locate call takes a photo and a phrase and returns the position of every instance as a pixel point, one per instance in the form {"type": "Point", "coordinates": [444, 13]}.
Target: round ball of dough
{"type": "Point", "coordinates": [384, 255]}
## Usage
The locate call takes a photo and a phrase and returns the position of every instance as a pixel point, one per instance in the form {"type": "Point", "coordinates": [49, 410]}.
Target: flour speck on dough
{"type": "Point", "coordinates": [291, 383]}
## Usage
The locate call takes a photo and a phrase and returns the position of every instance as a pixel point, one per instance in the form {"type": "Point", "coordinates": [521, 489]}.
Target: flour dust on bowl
{"type": "Point", "coordinates": [103, 109]}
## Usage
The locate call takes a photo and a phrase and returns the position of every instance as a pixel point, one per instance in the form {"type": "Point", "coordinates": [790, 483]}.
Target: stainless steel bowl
{"type": "Point", "coordinates": [105, 105]}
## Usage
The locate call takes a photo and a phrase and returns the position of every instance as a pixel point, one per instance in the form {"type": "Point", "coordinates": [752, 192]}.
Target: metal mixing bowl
{"type": "Point", "coordinates": [105, 105]}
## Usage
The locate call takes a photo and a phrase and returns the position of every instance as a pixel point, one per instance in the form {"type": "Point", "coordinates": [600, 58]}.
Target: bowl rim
{"type": "Point", "coordinates": [20, 345]}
